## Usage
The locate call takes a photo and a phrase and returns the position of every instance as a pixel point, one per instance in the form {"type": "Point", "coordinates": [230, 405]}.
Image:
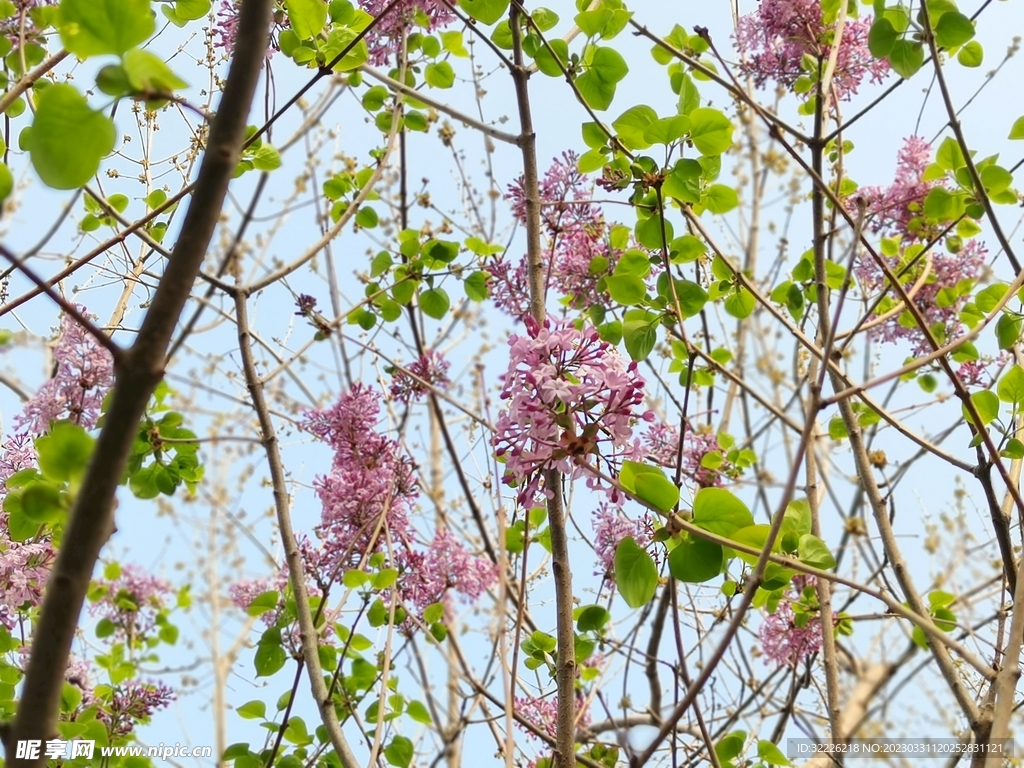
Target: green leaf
{"type": "Point", "coordinates": [418, 712]}
{"type": "Point", "coordinates": [399, 752]}
{"type": "Point", "coordinates": [367, 218]}
{"type": "Point", "coordinates": [439, 75]}
{"type": "Point", "coordinates": [253, 710]}
{"type": "Point", "coordinates": [986, 402]}
{"type": "Point", "coordinates": [953, 29]}
{"type": "Point", "coordinates": [906, 58]}
{"type": "Point", "coordinates": [546, 57]}
{"type": "Point", "coordinates": [1011, 386]}
{"type": "Point", "coordinates": [42, 503]}
{"type": "Point", "coordinates": [881, 37]}
{"type": "Point", "coordinates": [943, 205]}
{"type": "Point", "coordinates": [753, 536]}
{"type": "Point", "coordinates": [1008, 328]}
{"type": "Point", "coordinates": [592, 618]}
{"type": "Point", "coordinates": [636, 575]}
{"type": "Point", "coordinates": [684, 182]}
{"type": "Point", "coordinates": [6, 182]}
{"type": "Point", "coordinates": [740, 303]}
{"type": "Point", "coordinates": [68, 139]}
{"type": "Point", "coordinates": [191, 10]}
{"type": "Point", "coordinates": [1017, 131]}
{"type": "Point", "coordinates": [710, 131]}
{"type": "Point", "coordinates": [695, 560]}
{"type": "Point", "coordinates": [640, 334]}
{"type": "Point", "coordinates": [770, 753]}
{"type": "Point", "coordinates": [148, 74]}
{"type": "Point", "coordinates": [97, 27]}
{"type": "Point", "coordinates": [692, 297]}
{"type": "Point", "coordinates": [485, 11]}
{"type": "Point", "coordinates": [731, 746]}
{"type": "Point", "coordinates": [971, 55]}
{"type": "Point", "coordinates": [65, 452]}
{"type": "Point", "coordinates": [632, 124]}
{"type": "Point", "coordinates": [307, 17]}
{"type": "Point", "coordinates": [720, 199]}
{"type": "Point", "coordinates": [718, 511]}
{"type": "Point", "coordinates": [815, 553]}
{"type": "Point", "coordinates": [657, 490]}
{"type": "Point", "coordinates": [476, 286]}
{"type": "Point", "coordinates": [266, 158]}
{"type": "Point", "coordinates": [263, 603]}
{"type": "Point", "coordinates": [270, 655]}
{"type": "Point", "coordinates": [667, 130]}
{"type": "Point", "coordinates": [626, 289]}
{"type": "Point", "coordinates": [435, 303]}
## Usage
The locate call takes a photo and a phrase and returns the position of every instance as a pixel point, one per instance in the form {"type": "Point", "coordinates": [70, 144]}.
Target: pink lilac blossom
{"type": "Point", "coordinates": [24, 569]}
{"type": "Point", "coordinates": [947, 269]}
{"type": "Point", "coordinates": [577, 234]}
{"type": "Point", "coordinates": [662, 443]}
{"type": "Point", "coordinates": [133, 601]}
{"type": "Point", "coordinates": [243, 593]}
{"type": "Point", "coordinates": [569, 395]}
{"type": "Point", "coordinates": [371, 483]}
{"type": "Point", "coordinates": [84, 374]}
{"type": "Point", "coordinates": [226, 27]}
{"type": "Point", "coordinates": [134, 703]}
{"type": "Point", "coordinates": [430, 368]}
{"type": "Point", "coordinates": [446, 566]}
{"type": "Point", "coordinates": [611, 526]}
{"type": "Point", "coordinates": [11, 26]}
{"type": "Point", "coordinates": [782, 641]}
{"type": "Point", "coordinates": [774, 39]}
{"type": "Point", "coordinates": [395, 17]}
{"type": "Point", "coordinates": [896, 210]}
{"type": "Point", "coordinates": [542, 713]}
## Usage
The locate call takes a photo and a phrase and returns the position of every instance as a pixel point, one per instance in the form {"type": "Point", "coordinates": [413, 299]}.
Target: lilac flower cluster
{"type": "Point", "coordinates": [132, 602]}
{"type": "Point", "coordinates": [385, 39]}
{"type": "Point", "coordinates": [371, 484]}
{"type": "Point", "coordinates": [427, 577]}
{"type": "Point", "coordinates": [569, 395]}
{"type": "Point", "coordinates": [577, 233]}
{"type": "Point", "coordinates": [430, 368]}
{"type": "Point", "coordinates": [132, 703]}
{"type": "Point", "coordinates": [542, 713]}
{"type": "Point", "coordinates": [24, 569]}
{"type": "Point", "coordinates": [11, 27]}
{"type": "Point", "coordinates": [83, 376]}
{"type": "Point", "coordinates": [226, 27]}
{"type": "Point", "coordinates": [897, 212]}
{"type": "Point", "coordinates": [662, 444]}
{"type": "Point", "coordinates": [611, 526]}
{"type": "Point", "coordinates": [782, 641]}
{"type": "Point", "coordinates": [774, 39]}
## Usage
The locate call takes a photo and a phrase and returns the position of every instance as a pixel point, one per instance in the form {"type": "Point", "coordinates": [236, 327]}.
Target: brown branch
{"type": "Point", "coordinates": [138, 373]}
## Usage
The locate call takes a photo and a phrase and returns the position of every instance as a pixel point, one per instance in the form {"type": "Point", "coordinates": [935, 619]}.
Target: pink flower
{"type": "Point", "coordinates": [569, 395]}
{"type": "Point", "coordinates": [446, 566]}
{"type": "Point", "coordinates": [774, 39]}
{"type": "Point", "coordinates": [24, 570]}
{"type": "Point", "coordinates": [385, 39]}
{"type": "Point", "coordinates": [134, 602]}
{"type": "Point", "coordinates": [579, 253]}
{"type": "Point", "coordinates": [430, 368]}
{"type": "Point", "coordinates": [83, 376]}
{"type": "Point", "coordinates": [611, 526]}
{"type": "Point", "coordinates": [371, 483]}
{"type": "Point", "coordinates": [782, 640]}
{"type": "Point", "coordinates": [542, 713]}
{"type": "Point", "coordinates": [896, 211]}
{"type": "Point", "coordinates": [133, 703]}
{"type": "Point", "coordinates": [663, 447]}
{"type": "Point", "coordinates": [226, 27]}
